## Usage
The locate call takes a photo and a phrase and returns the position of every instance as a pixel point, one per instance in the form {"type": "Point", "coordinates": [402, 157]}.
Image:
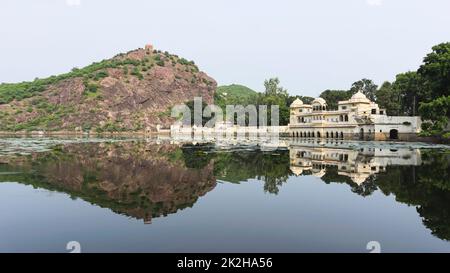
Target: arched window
{"type": "Point", "coordinates": [332, 135]}
{"type": "Point", "coordinates": [337, 135]}
{"type": "Point", "coordinates": [318, 134]}
{"type": "Point", "coordinates": [341, 118]}
{"type": "Point", "coordinates": [297, 134]}
{"type": "Point", "coordinates": [346, 118]}
{"type": "Point", "coordinates": [312, 134]}
{"type": "Point", "coordinates": [342, 135]}
{"type": "Point", "coordinates": [328, 135]}
{"type": "Point", "coordinates": [393, 134]}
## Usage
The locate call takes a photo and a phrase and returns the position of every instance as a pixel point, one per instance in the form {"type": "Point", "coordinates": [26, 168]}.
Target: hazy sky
{"type": "Point", "coordinates": [310, 45]}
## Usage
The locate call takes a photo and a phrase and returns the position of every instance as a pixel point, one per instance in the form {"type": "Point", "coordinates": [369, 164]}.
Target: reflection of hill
{"type": "Point", "coordinates": [146, 181]}
{"type": "Point", "coordinates": [134, 179]}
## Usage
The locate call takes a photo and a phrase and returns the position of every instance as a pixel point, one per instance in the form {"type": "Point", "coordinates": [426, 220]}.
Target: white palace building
{"type": "Point", "coordinates": [356, 118]}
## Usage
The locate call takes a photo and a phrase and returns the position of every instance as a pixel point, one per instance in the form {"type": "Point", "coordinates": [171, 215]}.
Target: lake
{"type": "Point", "coordinates": [166, 195]}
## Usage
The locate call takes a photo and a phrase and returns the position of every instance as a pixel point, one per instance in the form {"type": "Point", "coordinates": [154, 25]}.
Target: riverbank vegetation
{"type": "Point", "coordinates": [424, 92]}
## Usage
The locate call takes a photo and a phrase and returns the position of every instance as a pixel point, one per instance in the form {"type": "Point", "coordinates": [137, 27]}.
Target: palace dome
{"type": "Point", "coordinates": [319, 173]}
{"type": "Point", "coordinates": [359, 178]}
{"type": "Point", "coordinates": [320, 101]}
{"type": "Point", "coordinates": [297, 103]}
{"type": "Point", "coordinates": [359, 96]}
{"type": "Point", "coordinates": [296, 170]}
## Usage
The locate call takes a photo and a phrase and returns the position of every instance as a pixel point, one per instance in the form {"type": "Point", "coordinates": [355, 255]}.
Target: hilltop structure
{"type": "Point", "coordinates": [356, 118]}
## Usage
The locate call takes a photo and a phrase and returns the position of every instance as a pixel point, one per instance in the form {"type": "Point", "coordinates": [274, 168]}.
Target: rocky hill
{"type": "Point", "coordinates": [130, 92]}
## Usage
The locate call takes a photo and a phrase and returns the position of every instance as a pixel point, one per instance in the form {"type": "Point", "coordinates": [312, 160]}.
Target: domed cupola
{"type": "Point", "coordinates": [297, 103]}
{"type": "Point", "coordinates": [359, 97]}
{"type": "Point", "coordinates": [319, 104]}
{"type": "Point", "coordinates": [319, 101]}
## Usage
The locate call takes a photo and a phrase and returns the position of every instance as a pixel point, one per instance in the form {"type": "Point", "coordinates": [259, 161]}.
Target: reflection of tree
{"type": "Point", "coordinates": [332, 176]}
{"type": "Point", "coordinates": [237, 166]}
{"type": "Point", "coordinates": [272, 184]}
{"type": "Point", "coordinates": [367, 188]}
{"type": "Point", "coordinates": [426, 187]}
{"type": "Point", "coordinates": [146, 181]}
{"type": "Point", "coordinates": [197, 156]}
{"type": "Point", "coordinates": [240, 165]}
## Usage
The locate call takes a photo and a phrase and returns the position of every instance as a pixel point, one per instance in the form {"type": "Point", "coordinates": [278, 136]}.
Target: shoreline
{"type": "Point", "coordinates": [430, 139]}
{"type": "Point", "coordinates": [77, 133]}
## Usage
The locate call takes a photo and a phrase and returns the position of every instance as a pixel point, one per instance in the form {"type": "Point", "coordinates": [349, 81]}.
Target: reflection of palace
{"type": "Point", "coordinates": [356, 118]}
{"type": "Point", "coordinates": [357, 164]}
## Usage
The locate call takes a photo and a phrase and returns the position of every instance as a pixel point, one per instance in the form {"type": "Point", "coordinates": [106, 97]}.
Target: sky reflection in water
{"type": "Point", "coordinates": [172, 197]}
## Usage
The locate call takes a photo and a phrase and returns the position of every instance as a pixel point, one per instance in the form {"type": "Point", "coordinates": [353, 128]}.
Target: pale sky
{"type": "Point", "coordinates": [310, 45]}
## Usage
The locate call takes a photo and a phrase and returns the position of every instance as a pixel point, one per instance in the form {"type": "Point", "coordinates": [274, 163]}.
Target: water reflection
{"type": "Point", "coordinates": [356, 164]}
{"type": "Point", "coordinates": [145, 180]}
{"type": "Point", "coordinates": [134, 179]}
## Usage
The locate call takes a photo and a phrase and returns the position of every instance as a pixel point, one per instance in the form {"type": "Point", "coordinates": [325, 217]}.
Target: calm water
{"type": "Point", "coordinates": [166, 196]}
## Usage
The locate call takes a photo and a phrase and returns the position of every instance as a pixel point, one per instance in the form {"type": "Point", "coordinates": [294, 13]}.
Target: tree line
{"type": "Point", "coordinates": [424, 92]}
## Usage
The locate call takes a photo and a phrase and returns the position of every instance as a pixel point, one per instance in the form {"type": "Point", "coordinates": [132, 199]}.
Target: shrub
{"type": "Point", "coordinates": [101, 75]}
{"type": "Point", "coordinates": [136, 73]}
{"type": "Point", "coordinates": [92, 88]}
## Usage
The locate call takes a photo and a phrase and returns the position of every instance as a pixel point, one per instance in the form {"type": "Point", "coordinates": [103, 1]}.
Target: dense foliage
{"type": "Point", "coordinates": [234, 95]}
{"type": "Point", "coordinates": [423, 92]}
{"type": "Point", "coordinates": [273, 95]}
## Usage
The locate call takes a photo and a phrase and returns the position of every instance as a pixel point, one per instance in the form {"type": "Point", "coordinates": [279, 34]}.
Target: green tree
{"type": "Point", "coordinates": [408, 85]}
{"type": "Point", "coordinates": [366, 86]}
{"type": "Point", "coordinates": [275, 95]}
{"type": "Point", "coordinates": [437, 112]}
{"type": "Point", "coordinates": [389, 98]}
{"type": "Point", "coordinates": [334, 96]}
{"type": "Point", "coordinates": [272, 87]}
{"type": "Point", "coordinates": [305, 99]}
{"type": "Point", "coordinates": [435, 71]}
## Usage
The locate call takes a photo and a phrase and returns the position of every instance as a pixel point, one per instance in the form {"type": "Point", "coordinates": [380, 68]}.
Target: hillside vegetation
{"type": "Point", "coordinates": [130, 92]}
{"type": "Point", "coordinates": [234, 94]}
